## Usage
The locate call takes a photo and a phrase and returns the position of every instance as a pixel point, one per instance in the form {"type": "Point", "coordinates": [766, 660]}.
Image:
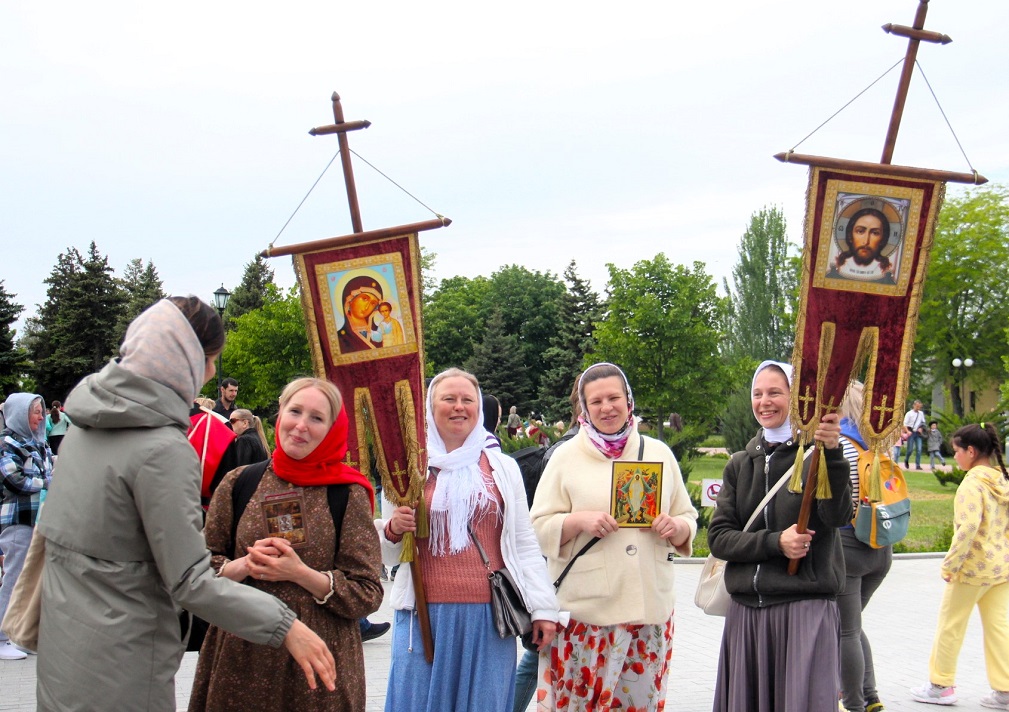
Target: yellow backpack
{"type": "Point", "coordinates": [883, 513]}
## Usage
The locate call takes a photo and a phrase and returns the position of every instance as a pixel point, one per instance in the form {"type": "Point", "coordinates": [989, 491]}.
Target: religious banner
{"type": "Point", "coordinates": [362, 312]}
{"type": "Point", "coordinates": [867, 241]}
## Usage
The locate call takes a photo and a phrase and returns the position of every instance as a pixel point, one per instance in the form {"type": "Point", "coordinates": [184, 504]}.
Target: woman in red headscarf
{"type": "Point", "coordinates": [289, 537]}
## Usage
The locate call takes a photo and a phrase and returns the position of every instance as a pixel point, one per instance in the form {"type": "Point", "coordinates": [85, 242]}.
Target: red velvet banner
{"type": "Point", "coordinates": [867, 244]}
{"type": "Point", "coordinates": [362, 313]}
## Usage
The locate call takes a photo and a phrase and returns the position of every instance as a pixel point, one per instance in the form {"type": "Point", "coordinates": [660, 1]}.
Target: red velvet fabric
{"type": "Point", "coordinates": [851, 312]}
{"type": "Point", "coordinates": [376, 377]}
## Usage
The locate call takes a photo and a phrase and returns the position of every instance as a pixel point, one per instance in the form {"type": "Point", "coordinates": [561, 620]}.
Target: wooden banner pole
{"type": "Point", "coordinates": [806, 508]}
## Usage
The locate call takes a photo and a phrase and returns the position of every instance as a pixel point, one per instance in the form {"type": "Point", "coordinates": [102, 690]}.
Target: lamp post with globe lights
{"type": "Point", "coordinates": [962, 365]}
{"type": "Point", "coordinates": [221, 297]}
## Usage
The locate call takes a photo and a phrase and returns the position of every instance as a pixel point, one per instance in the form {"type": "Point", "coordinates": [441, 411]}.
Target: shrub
{"type": "Point", "coordinates": [738, 426]}
{"type": "Point", "coordinates": [955, 477]}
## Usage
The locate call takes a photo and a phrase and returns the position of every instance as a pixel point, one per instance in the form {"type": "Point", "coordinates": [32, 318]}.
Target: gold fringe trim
{"type": "Point", "coordinates": [416, 468]}
{"type": "Point", "coordinates": [808, 228]}
{"type": "Point", "coordinates": [362, 414]}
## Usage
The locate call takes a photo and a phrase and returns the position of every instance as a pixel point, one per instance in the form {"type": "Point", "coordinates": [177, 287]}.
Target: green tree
{"type": "Point", "coordinates": [427, 281]}
{"type": "Point", "coordinates": [143, 288]}
{"type": "Point", "coordinates": [252, 293]}
{"type": "Point", "coordinates": [497, 362]}
{"type": "Point", "coordinates": [266, 350]}
{"type": "Point", "coordinates": [530, 306]}
{"type": "Point", "coordinates": [763, 298]}
{"type": "Point", "coordinates": [77, 326]}
{"type": "Point", "coordinates": [13, 359]}
{"type": "Point", "coordinates": [662, 328]}
{"type": "Point", "coordinates": [572, 341]}
{"type": "Point", "coordinates": [965, 302]}
{"type": "Point", "coordinates": [453, 322]}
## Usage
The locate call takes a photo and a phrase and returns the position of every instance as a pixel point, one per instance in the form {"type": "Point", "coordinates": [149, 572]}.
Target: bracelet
{"type": "Point", "coordinates": [390, 535]}
{"type": "Point", "coordinates": [220, 571]}
{"type": "Point", "coordinates": [332, 588]}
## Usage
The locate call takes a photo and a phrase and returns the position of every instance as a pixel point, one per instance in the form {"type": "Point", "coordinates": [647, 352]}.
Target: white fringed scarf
{"type": "Point", "coordinates": [460, 492]}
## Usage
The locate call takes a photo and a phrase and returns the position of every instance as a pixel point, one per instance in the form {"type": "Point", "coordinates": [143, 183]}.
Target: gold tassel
{"type": "Point", "coordinates": [795, 481]}
{"type": "Point", "coordinates": [423, 528]}
{"type": "Point", "coordinates": [822, 483]}
{"type": "Point", "coordinates": [875, 490]}
{"type": "Point", "coordinates": [407, 556]}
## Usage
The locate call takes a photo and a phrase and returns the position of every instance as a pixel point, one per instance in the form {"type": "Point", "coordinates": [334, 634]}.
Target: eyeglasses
{"type": "Point", "coordinates": [236, 420]}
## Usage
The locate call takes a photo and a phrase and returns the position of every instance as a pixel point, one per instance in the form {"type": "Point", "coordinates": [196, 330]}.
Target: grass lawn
{"type": "Point", "coordinates": [931, 508]}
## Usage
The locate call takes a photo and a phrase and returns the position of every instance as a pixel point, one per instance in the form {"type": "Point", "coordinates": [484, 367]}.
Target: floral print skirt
{"type": "Point", "coordinates": [611, 667]}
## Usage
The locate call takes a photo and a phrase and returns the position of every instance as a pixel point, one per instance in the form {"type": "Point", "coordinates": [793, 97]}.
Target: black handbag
{"type": "Point", "coordinates": [511, 618]}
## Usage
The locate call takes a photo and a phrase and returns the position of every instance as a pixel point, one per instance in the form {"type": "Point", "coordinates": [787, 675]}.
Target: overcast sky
{"type": "Point", "coordinates": [547, 131]}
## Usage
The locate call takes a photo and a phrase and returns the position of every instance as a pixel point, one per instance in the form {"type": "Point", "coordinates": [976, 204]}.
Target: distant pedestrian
{"type": "Point", "coordinates": [914, 428]}
{"type": "Point", "coordinates": [225, 404]}
{"type": "Point", "coordinates": [26, 465]}
{"type": "Point", "coordinates": [976, 571]}
{"type": "Point", "coordinates": [251, 444]}
{"type": "Point", "coordinates": [57, 423]}
{"type": "Point", "coordinates": [935, 445]}
{"type": "Point", "coordinates": [514, 422]}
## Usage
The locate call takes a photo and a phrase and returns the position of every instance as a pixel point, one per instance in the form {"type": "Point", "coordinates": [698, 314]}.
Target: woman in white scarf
{"type": "Point", "coordinates": [780, 638]}
{"type": "Point", "coordinates": [468, 486]}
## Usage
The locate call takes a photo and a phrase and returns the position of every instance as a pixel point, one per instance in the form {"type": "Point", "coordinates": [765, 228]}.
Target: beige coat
{"type": "Point", "coordinates": [627, 577]}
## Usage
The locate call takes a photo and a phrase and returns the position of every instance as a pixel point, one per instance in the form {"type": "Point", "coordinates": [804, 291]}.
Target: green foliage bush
{"type": "Point", "coordinates": [738, 426]}
{"type": "Point", "coordinates": [950, 478]}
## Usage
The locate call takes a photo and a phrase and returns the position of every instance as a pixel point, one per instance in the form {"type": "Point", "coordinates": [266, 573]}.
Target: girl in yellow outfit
{"type": "Point", "coordinates": [976, 570]}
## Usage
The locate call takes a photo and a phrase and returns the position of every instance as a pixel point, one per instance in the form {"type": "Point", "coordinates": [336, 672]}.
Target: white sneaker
{"type": "Point", "coordinates": [934, 694]}
{"type": "Point", "coordinates": [996, 700]}
{"type": "Point", "coordinates": [8, 651]}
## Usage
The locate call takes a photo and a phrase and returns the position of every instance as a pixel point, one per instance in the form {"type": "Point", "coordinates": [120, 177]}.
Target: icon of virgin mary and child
{"type": "Point", "coordinates": [368, 321]}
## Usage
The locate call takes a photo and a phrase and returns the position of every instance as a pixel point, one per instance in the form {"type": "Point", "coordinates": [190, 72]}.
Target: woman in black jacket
{"type": "Point", "coordinates": [780, 641]}
{"type": "Point", "coordinates": [250, 446]}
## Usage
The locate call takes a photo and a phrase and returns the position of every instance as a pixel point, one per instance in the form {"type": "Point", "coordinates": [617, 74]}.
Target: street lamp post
{"type": "Point", "coordinates": [221, 297]}
{"type": "Point", "coordinates": [962, 365]}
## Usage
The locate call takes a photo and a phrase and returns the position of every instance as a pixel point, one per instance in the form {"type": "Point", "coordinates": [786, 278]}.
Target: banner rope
{"type": "Point", "coordinates": [370, 165]}
{"type": "Point", "coordinates": [419, 201]}
{"type": "Point", "coordinates": [304, 199]}
{"type": "Point", "coordinates": [899, 61]}
{"type": "Point", "coordinates": [948, 124]}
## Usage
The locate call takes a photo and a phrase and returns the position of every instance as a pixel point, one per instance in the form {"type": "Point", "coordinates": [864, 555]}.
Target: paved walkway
{"type": "Point", "coordinates": [900, 620]}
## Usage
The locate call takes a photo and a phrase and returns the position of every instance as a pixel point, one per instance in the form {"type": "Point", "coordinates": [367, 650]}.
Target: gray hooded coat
{"type": "Point", "coordinates": [124, 545]}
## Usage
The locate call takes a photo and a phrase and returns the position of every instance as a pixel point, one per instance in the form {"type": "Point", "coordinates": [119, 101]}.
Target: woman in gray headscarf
{"type": "Point", "coordinates": [124, 544]}
{"type": "Point", "coordinates": [26, 465]}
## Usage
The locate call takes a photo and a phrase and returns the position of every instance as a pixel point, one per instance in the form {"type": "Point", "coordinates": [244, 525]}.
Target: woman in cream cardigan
{"type": "Point", "coordinates": [620, 593]}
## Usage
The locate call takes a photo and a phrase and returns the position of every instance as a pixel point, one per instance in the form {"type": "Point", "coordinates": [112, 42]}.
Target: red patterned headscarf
{"type": "Point", "coordinates": [324, 465]}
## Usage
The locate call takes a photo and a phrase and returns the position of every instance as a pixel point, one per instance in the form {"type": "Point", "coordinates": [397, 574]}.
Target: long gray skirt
{"type": "Point", "coordinates": [782, 658]}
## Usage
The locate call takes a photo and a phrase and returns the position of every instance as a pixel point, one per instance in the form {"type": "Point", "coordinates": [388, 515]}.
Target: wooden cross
{"type": "Point", "coordinates": [915, 34]}
{"type": "Point", "coordinates": [340, 128]}
{"type": "Point", "coordinates": [882, 411]}
{"type": "Point", "coordinates": [806, 400]}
